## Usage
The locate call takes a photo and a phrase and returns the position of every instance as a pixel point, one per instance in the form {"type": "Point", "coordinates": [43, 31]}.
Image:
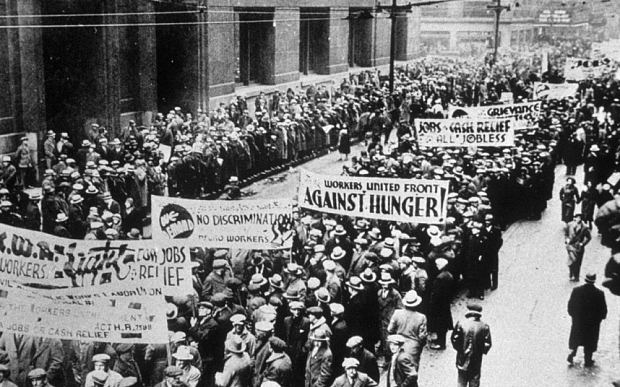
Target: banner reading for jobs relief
{"type": "Point", "coordinates": [136, 320]}
{"type": "Point", "coordinates": [576, 69]}
{"type": "Point", "coordinates": [420, 201]}
{"type": "Point", "coordinates": [525, 114]}
{"type": "Point", "coordinates": [243, 224]}
{"type": "Point", "coordinates": [465, 133]}
{"type": "Point", "coordinates": [35, 258]}
{"type": "Point", "coordinates": [554, 90]}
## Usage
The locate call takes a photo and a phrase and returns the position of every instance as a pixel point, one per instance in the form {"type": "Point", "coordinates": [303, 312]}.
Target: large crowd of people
{"type": "Point", "coordinates": [353, 296]}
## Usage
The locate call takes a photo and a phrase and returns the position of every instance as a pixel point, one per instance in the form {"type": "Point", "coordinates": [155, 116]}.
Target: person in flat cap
{"type": "Point", "coordinates": [263, 330]}
{"type": "Point", "coordinates": [471, 338]}
{"type": "Point", "coordinates": [587, 308]}
{"type": "Point", "coordinates": [278, 367]}
{"type": "Point", "coordinates": [352, 376]}
{"type": "Point", "coordinates": [239, 329]}
{"type": "Point", "coordinates": [367, 360]}
{"type": "Point", "coordinates": [216, 280]}
{"type": "Point", "coordinates": [171, 374]}
{"type": "Point", "coordinates": [183, 359]}
{"type": "Point", "coordinates": [410, 324]}
{"type": "Point", "coordinates": [402, 370]}
{"type": "Point", "coordinates": [296, 329]}
{"type": "Point", "coordinates": [319, 365]}
{"type": "Point", "coordinates": [179, 339]}
{"type": "Point", "coordinates": [203, 332]}
{"type": "Point", "coordinates": [126, 365]}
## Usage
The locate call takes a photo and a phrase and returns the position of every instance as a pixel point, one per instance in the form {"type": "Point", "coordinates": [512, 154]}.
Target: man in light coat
{"type": "Point", "coordinates": [577, 237]}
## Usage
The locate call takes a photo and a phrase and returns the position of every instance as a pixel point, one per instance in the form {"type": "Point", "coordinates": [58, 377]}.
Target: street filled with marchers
{"type": "Point", "coordinates": [348, 286]}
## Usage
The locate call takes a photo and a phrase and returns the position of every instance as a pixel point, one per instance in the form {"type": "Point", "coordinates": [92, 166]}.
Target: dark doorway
{"type": "Point", "coordinates": [71, 57]}
{"type": "Point", "coordinates": [313, 40]}
{"type": "Point", "coordinates": [254, 46]}
{"type": "Point", "coordinates": [177, 57]}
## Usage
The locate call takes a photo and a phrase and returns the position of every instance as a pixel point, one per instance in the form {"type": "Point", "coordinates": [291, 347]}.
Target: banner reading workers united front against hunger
{"type": "Point", "coordinates": [243, 224]}
{"type": "Point", "coordinates": [465, 133]}
{"type": "Point", "coordinates": [35, 258]}
{"type": "Point", "coordinates": [421, 201]}
{"type": "Point", "coordinates": [525, 114]}
{"type": "Point", "coordinates": [138, 320]}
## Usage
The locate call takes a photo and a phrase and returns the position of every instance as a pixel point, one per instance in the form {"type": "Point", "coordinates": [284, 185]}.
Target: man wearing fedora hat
{"type": "Point", "coordinates": [32, 215]}
{"type": "Point", "coordinates": [258, 265]}
{"type": "Point", "coordinates": [410, 324]}
{"type": "Point", "coordinates": [361, 259]}
{"type": "Point", "coordinates": [237, 370]}
{"type": "Point", "coordinates": [60, 230]}
{"type": "Point", "coordinates": [471, 339]}
{"type": "Point", "coordinates": [183, 359]}
{"type": "Point", "coordinates": [295, 281]}
{"type": "Point", "coordinates": [439, 306]}
{"type": "Point", "coordinates": [101, 363]}
{"type": "Point", "coordinates": [389, 300]}
{"type": "Point", "coordinates": [587, 308]}
{"type": "Point", "coordinates": [296, 328]}
{"type": "Point", "coordinates": [203, 331]}
{"type": "Point", "coordinates": [353, 377]}
{"type": "Point", "coordinates": [577, 237]}
{"type": "Point", "coordinates": [240, 330]}
{"type": "Point", "coordinates": [319, 365]}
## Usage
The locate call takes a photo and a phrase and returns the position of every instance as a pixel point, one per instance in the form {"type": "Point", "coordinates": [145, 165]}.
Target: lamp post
{"type": "Point", "coordinates": [497, 8]}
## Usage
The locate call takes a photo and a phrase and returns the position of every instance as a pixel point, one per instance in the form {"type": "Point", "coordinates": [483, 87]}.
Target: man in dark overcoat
{"type": "Point", "coordinates": [439, 312]}
{"type": "Point", "coordinates": [587, 308]}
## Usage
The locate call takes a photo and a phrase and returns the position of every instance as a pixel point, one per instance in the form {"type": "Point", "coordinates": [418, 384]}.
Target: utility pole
{"type": "Point", "coordinates": [395, 10]}
{"type": "Point", "coordinates": [497, 8]}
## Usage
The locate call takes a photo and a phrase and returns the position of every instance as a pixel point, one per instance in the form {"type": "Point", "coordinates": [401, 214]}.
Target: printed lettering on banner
{"type": "Point", "coordinates": [246, 224]}
{"type": "Point", "coordinates": [136, 320]}
{"type": "Point", "coordinates": [413, 200]}
{"type": "Point", "coordinates": [465, 132]}
{"type": "Point", "coordinates": [525, 114]}
{"type": "Point", "coordinates": [554, 90]}
{"type": "Point", "coordinates": [577, 69]}
{"type": "Point", "coordinates": [35, 258]}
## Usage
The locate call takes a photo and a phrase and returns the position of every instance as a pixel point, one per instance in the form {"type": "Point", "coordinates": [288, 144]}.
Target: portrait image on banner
{"type": "Point", "coordinates": [554, 90]}
{"type": "Point", "coordinates": [35, 258]}
{"type": "Point", "coordinates": [465, 132]}
{"type": "Point", "coordinates": [525, 114]}
{"type": "Point", "coordinates": [412, 200]}
{"type": "Point", "coordinates": [248, 224]}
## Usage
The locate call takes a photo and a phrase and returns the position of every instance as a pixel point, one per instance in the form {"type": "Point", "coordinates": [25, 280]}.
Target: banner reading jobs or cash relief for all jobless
{"type": "Point", "coordinates": [125, 320]}
{"type": "Point", "coordinates": [244, 224]}
{"type": "Point", "coordinates": [412, 200]}
{"type": "Point", "coordinates": [465, 132]}
{"type": "Point", "coordinates": [35, 258]}
{"type": "Point", "coordinates": [576, 69]}
{"type": "Point", "coordinates": [525, 114]}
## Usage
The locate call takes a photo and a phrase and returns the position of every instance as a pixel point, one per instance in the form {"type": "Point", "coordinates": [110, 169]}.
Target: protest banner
{"type": "Point", "coordinates": [525, 114]}
{"type": "Point", "coordinates": [554, 90]}
{"type": "Point", "coordinates": [577, 69]}
{"type": "Point", "coordinates": [135, 320]}
{"type": "Point", "coordinates": [412, 200]}
{"type": "Point", "coordinates": [35, 258]}
{"type": "Point", "coordinates": [465, 132]}
{"type": "Point", "coordinates": [250, 224]}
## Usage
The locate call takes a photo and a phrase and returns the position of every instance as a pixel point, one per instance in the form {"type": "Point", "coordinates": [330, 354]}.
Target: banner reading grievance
{"type": "Point", "coordinates": [421, 201]}
{"type": "Point", "coordinates": [465, 133]}
{"type": "Point", "coordinates": [244, 224]}
{"type": "Point", "coordinates": [525, 114]}
{"type": "Point", "coordinates": [35, 258]}
{"type": "Point", "coordinates": [139, 320]}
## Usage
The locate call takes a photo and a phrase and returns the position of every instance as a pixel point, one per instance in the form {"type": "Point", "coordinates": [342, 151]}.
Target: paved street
{"type": "Point", "coordinates": [527, 314]}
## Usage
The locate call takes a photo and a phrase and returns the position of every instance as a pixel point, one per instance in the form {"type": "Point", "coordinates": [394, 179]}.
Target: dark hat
{"type": "Point", "coordinates": [590, 278]}
{"type": "Point", "coordinates": [172, 371]}
{"type": "Point", "coordinates": [474, 308]}
{"type": "Point", "coordinates": [123, 348]}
